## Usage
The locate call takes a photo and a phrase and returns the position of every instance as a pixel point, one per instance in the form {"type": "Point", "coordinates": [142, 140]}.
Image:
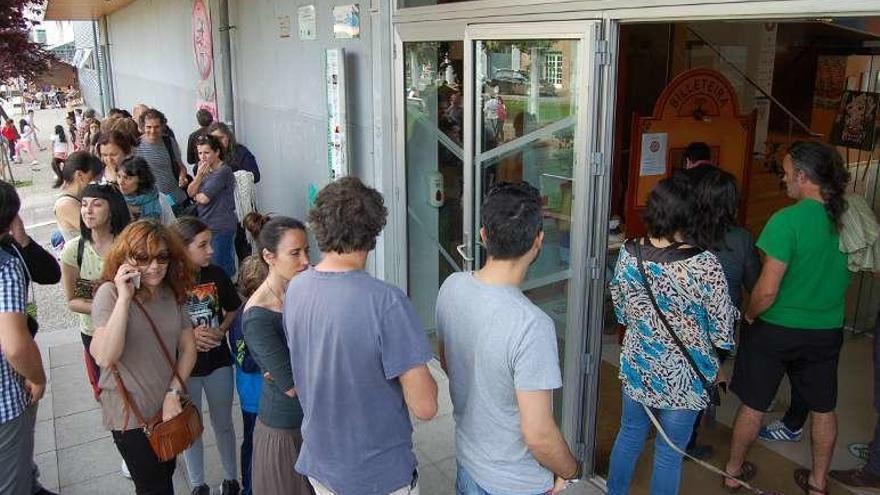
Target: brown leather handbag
{"type": "Point", "coordinates": [167, 438]}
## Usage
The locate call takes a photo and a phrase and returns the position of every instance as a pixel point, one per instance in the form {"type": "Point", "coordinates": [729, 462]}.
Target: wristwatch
{"type": "Point", "coordinates": [173, 391]}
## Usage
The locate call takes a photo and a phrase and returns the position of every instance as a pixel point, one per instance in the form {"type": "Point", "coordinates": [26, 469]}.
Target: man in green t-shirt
{"type": "Point", "coordinates": [795, 313]}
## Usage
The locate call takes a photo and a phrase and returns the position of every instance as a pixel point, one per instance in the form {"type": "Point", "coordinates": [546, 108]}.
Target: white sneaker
{"type": "Point", "coordinates": [35, 162]}
{"type": "Point", "coordinates": [123, 470]}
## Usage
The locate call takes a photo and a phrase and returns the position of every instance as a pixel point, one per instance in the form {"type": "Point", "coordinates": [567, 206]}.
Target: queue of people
{"type": "Point", "coordinates": [331, 363]}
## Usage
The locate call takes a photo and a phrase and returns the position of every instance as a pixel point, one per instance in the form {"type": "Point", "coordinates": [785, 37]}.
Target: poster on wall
{"type": "Point", "coordinates": [203, 54]}
{"type": "Point", "coordinates": [653, 160]}
{"type": "Point", "coordinates": [830, 81]}
{"type": "Point", "coordinates": [347, 21]}
{"type": "Point", "coordinates": [308, 23]}
{"type": "Point", "coordinates": [337, 130]}
{"type": "Point", "coordinates": [856, 123]}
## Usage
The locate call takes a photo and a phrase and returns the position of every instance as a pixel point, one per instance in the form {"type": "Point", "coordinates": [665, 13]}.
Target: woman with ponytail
{"type": "Point", "coordinates": [284, 248]}
{"type": "Point", "coordinates": [79, 169]}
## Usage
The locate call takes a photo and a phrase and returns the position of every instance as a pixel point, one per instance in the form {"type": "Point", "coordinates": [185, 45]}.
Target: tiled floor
{"type": "Point", "coordinates": [75, 453]}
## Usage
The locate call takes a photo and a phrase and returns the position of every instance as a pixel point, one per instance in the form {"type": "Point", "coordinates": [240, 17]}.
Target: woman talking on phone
{"type": "Point", "coordinates": [144, 344]}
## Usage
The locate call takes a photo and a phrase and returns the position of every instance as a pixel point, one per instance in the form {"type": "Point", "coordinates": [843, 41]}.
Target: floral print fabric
{"type": "Point", "coordinates": [692, 293]}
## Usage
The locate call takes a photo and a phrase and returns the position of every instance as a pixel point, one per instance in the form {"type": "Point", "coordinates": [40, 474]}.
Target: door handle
{"type": "Point", "coordinates": [461, 252]}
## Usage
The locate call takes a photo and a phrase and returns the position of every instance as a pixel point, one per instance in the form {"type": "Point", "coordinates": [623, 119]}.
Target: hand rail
{"type": "Point", "coordinates": [751, 81]}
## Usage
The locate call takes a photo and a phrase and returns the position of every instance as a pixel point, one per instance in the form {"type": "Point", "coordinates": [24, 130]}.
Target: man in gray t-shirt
{"type": "Point", "coordinates": [500, 353]}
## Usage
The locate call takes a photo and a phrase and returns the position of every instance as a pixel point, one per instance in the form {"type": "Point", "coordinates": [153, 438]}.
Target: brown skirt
{"type": "Point", "coordinates": [275, 453]}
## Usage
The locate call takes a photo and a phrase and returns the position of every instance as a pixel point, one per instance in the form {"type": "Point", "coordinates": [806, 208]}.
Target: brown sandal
{"type": "Point", "coordinates": [746, 473]}
{"type": "Point", "coordinates": [802, 478]}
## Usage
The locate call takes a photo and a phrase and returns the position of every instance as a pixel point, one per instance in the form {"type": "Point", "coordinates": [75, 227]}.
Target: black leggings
{"type": "Point", "coordinates": [150, 476]}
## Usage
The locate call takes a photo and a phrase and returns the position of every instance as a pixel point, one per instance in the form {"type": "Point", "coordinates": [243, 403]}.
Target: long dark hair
{"type": "Point", "coordinates": [715, 200]}
{"type": "Point", "coordinates": [62, 136]}
{"type": "Point", "coordinates": [136, 166]}
{"type": "Point", "coordinates": [823, 166]}
{"type": "Point", "coordinates": [119, 214]}
{"type": "Point", "coordinates": [78, 161]}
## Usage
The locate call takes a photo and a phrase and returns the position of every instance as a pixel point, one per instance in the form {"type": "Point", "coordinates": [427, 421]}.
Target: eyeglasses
{"type": "Point", "coordinates": [142, 259]}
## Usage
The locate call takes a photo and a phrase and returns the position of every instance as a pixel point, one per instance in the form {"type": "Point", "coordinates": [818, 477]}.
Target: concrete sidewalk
{"type": "Point", "coordinates": [76, 454]}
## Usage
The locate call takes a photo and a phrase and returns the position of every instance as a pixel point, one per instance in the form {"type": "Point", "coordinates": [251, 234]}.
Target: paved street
{"type": "Point", "coordinates": [74, 452]}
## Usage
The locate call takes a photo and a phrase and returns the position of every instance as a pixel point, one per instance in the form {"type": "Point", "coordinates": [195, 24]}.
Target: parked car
{"type": "Point", "coordinates": [516, 82]}
{"type": "Point", "coordinates": [512, 81]}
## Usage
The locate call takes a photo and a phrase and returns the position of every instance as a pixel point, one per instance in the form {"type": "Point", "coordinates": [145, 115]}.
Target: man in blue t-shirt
{"type": "Point", "coordinates": [358, 354]}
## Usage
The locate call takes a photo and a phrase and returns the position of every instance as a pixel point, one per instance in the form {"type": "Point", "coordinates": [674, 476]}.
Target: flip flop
{"type": "Point", "coordinates": [746, 473]}
{"type": "Point", "coordinates": [802, 478]}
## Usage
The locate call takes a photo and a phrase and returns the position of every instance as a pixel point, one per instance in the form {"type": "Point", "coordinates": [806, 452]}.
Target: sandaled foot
{"type": "Point", "coordinates": [802, 478]}
{"type": "Point", "coordinates": [746, 473]}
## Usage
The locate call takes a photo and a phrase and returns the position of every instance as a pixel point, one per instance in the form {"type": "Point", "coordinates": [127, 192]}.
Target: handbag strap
{"type": "Point", "coordinates": [127, 401]}
{"type": "Point", "coordinates": [678, 342]}
{"type": "Point", "coordinates": [165, 352]}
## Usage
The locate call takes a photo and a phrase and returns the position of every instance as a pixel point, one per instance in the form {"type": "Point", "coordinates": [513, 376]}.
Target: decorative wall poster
{"type": "Point", "coordinates": [830, 81]}
{"type": "Point", "coordinates": [203, 54]}
{"type": "Point", "coordinates": [337, 133]}
{"type": "Point", "coordinates": [653, 160]}
{"type": "Point", "coordinates": [308, 23]}
{"type": "Point", "coordinates": [856, 123]}
{"type": "Point", "coordinates": [347, 21]}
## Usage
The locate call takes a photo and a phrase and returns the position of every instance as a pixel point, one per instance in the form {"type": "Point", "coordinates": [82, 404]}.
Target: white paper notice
{"type": "Point", "coordinates": [308, 25]}
{"type": "Point", "coordinates": [653, 160]}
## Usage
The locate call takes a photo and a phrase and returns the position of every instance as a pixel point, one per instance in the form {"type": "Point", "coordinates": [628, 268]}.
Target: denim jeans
{"type": "Point", "coordinates": [634, 427]}
{"type": "Point", "coordinates": [218, 388]}
{"type": "Point", "coordinates": [248, 421]}
{"type": "Point", "coordinates": [465, 485]}
{"type": "Point", "coordinates": [223, 243]}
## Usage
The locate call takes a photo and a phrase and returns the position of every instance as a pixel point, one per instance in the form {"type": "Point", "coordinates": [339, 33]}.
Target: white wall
{"type": "Point", "coordinates": [151, 46]}
{"type": "Point", "coordinates": [280, 98]}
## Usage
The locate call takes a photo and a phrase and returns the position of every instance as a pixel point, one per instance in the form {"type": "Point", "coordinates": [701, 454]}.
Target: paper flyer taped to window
{"type": "Point", "coordinates": [653, 159]}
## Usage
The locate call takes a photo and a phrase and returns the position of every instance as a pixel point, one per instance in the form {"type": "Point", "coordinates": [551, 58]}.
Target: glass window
{"type": "Point", "coordinates": [553, 69]}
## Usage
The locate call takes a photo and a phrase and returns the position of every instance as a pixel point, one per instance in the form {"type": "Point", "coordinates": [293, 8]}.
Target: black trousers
{"type": "Point", "coordinates": [150, 476]}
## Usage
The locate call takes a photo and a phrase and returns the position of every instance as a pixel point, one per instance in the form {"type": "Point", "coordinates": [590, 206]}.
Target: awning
{"type": "Point", "coordinates": [82, 10]}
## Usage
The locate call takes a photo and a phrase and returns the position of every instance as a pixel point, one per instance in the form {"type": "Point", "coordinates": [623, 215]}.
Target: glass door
{"type": "Point", "coordinates": [492, 103]}
{"type": "Point", "coordinates": [433, 117]}
{"type": "Point", "coordinates": [532, 119]}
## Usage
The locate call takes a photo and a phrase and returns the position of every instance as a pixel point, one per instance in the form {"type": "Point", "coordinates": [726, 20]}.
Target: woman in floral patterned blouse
{"type": "Point", "coordinates": [689, 286]}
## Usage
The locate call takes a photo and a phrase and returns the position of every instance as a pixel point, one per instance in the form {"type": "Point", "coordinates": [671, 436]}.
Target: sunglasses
{"type": "Point", "coordinates": [142, 259]}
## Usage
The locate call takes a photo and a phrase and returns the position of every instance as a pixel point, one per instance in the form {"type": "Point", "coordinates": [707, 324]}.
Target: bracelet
{"type": "Point", "coordinates": [172, 391]}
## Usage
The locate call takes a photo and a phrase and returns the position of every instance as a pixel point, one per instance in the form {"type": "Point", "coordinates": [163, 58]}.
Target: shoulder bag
{"type": "Point", "coordinates": [711, 388]}
{"type": "Point", "coordinates": [167, 438]}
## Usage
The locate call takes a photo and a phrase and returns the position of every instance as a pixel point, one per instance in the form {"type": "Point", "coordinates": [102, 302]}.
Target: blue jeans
{"type": "Point", "coordinates": [634, 427]}
{"type": "Point", "coordinates": [223, 243]}
{"type": "Point", "coordinates": [465, 485]}
{"type": "Point", "coordinates": [248, 421]}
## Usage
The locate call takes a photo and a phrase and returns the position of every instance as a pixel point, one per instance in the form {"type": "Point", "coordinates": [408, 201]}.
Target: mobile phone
{"type": "Point", "coordinates": [136, 281]}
